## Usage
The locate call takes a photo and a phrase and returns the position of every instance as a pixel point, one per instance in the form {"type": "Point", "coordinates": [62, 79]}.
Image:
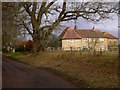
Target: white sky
{"type": "Point", "coordinates": [109, 24]}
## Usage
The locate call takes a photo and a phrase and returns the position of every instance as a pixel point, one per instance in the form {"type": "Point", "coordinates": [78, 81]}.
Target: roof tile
{"type": "Point", "coordinates": [70, 33]}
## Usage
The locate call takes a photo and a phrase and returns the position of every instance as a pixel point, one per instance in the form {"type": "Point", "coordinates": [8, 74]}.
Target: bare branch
{"type": "Point", "coordinates": [72, 18]}
{"type": "Point", "coordinates": [59, 19]}
{"type": "Point", "coordinates": [26, 27]}
{"type": "Point", "coordinates": [27, 6]}
{"type": "Point", "coordinates": [45, 27]}
{"type": "Point", "coordinates": [49, 5]}
{"type": "Point", "coordinates": [34, 8]}
{"type": "Point", "coordinates": [41, 10]}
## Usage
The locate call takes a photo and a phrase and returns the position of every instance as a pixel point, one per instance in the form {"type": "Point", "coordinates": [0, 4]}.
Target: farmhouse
{"type": "Point", "coordinates": [87, 39]}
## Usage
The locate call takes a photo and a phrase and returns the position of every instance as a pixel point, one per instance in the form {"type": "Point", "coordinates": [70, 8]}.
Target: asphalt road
{"type": "Point", "coordinates": [19, 75]}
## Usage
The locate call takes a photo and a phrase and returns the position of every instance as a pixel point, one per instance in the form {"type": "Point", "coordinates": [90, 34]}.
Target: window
{"type": "Point", "coordinates": [85, 46]}
{"type": "Point", "coordinates": [85, 39]}
{"type": "Point", "coordinates": [71, 40]}
{"type": "Point", "coordinates": [93, 39]}
{"type": "Point", "coordinates": [101, 39]}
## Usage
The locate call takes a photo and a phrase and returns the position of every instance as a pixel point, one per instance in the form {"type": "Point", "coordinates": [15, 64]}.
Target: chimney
{"type": "Point", "coordinates": [93, 28]}
{"type": "Point", "coordinates": [75, 25]}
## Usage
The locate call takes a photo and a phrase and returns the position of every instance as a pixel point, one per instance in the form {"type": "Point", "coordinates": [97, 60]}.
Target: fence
{"type": "Point", "coordinates": [91, 51]}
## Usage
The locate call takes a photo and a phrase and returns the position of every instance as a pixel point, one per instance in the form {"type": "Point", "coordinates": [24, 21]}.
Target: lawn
{"type": "Point", "coordinates": [16, 55]}
{"type": "Point", "coordinates": [83, 70]}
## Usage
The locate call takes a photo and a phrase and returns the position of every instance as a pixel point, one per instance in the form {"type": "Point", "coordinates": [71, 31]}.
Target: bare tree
{"type": "Point", "coordinates": [9, 28]}
{"type": "Point", "coordinates": [41, 18]}
{"type": "Point", "coordinates": [93, 44]}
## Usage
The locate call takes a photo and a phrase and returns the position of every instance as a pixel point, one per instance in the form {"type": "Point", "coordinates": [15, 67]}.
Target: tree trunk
{"type": "Point", "coordinates": [37, 43]}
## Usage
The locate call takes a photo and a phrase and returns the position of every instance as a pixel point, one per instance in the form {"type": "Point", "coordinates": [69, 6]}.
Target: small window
{"type": "Point", "coordinates": [85, 39]}
{"type": "Point", "coordinates": [71, 40]}
{"type": "Point", "coordinates": [101, 39]}
{"type": "Point", "coordinates": [85, 46]}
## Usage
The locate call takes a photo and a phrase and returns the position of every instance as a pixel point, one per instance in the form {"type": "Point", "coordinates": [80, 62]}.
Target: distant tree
{"type": "Point", "coordinates": [41, 18]}
{"type": "Point", "coordinates": [25, 46]}
{"type": "Point", "coordinates": [53, 41]}
{"type": "Point", "coordinates": [9, 28]}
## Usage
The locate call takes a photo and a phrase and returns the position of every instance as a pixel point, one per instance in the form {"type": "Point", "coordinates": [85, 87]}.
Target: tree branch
{"type": "Point", "coordinates": [59, 19]}
{"type": "Point", "coordinates": [34, 8]}
{"type": "Point", "coordinates": [45, 27]}
{"type": "Point", "coordinates": [27, 28]}
{"type": "Point", "coordinates": [26, 6]}
{"type": "Point", "coordinates": [49, 5]}
{"type": "Point", "coordinates": [40, 12]}
{"type": "Point", "coordinates": [72, 18]}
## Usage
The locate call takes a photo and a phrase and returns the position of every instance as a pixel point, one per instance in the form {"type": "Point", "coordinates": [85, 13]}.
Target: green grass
{"type": "Point", "coordinates": [83, 70]}
{"type": "Point", "coordinates": [16, 55]}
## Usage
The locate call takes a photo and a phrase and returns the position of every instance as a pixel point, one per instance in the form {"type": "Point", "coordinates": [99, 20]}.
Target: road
{"type": "Point", "coordinates": [19, 75]}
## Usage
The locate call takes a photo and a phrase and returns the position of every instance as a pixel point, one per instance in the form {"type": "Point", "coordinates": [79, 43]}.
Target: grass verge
{"type": "Point", "coordinates": [83, 70]}
{"type": "Point", "coordinates": [16, 55]}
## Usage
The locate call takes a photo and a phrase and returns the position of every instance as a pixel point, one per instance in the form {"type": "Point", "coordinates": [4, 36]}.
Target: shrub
{"type": "Point", "coordinates": [24, 46]}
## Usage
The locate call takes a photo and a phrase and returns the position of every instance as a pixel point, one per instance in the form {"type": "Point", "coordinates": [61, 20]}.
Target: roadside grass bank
{"type": "Point", "coordinates": [83, 70]}
{"type": "Point", "coordinates": [16, 55]}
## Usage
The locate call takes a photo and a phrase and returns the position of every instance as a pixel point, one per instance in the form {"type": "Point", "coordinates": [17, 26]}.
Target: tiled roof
{"type": "Point", "coordinates": [90, 33]}
{"type": "Point", "coordinates": [70, 33]}
{"type": "Point", "coordinates": [108, 35]}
